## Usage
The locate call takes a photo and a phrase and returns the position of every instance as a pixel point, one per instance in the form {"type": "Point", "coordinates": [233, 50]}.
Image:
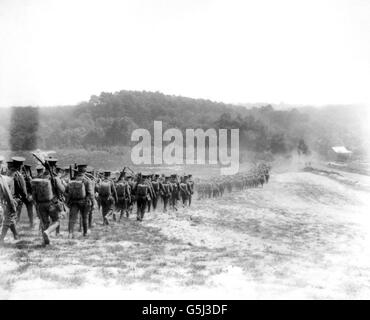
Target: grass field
{"type": "Point", "coordinates": [302, 236]}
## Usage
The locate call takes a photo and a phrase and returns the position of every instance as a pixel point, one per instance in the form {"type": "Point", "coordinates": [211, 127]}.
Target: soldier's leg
{"type": "Point", "coordinates": [190, 200]}
{"type": "Point", "coordinates": [90, 218]}
{"type": "Point", "coordinates": [85, 210]}
{"type": "Point", "coordinates": [73, 215]}
{"type": "Point", "coordinates": [53, 215]}
{"type": "Point", "coordinates": [9, 222]}
{"type": "Point", "coordinates": [148, 203]}
{"type": "Point", "coordinates": [155, 202]}
{"type": "Point", "coordinates": [30, 213]}
{"type": "Point", "coordinates": [19, 210]}
{"type": "Point", "coordinates": [105, 209]}
{"type": "Point", "coordinates": [141, 204]}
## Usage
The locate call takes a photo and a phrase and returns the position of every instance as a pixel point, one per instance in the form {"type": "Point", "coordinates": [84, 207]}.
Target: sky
{"type": "Point", "coordinates": [297, 52]}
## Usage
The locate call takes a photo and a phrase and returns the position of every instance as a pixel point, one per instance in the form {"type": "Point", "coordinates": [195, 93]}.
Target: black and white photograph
{"type": "Point", "coordinates": [184, 150]}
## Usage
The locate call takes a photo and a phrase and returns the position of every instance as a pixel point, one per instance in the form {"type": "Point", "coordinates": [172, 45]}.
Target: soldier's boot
{"type": "Point", "coordinates": [14, 231]}
{"type": "Point", "coordinates": [4, 231]}
{"type": "Point", "coordinates": [53, 227]}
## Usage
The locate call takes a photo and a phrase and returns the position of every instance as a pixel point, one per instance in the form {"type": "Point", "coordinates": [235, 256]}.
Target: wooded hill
{"type": "Point", "coordinates": [108, 119]}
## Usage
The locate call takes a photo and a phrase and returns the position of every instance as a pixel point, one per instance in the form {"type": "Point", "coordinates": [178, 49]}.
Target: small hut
{"type": "Point", "coordinates": [341, 153]}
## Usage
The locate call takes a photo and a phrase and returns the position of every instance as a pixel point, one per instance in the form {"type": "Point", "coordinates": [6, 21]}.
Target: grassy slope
{"type": "Point", "coordinates": [302, 236]}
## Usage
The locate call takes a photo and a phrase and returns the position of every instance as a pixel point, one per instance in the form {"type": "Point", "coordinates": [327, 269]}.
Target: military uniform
{"type": "Point", "coordinates": [108, 197]}
{"type": "Point", "coordinates": [141, 191]}
{"type": "Point", "coordinates": [156, 191]}
{"type": "Point", "coordinates": [20, 189]}
{"type": "Point", "coordinates": [184, 191]}
{"type": "Point", "coordinates": [29, 202]}
{"type": "Point", "coordinates": [175, 194]}
{"type": "Point", "coordinates": [80, 205]}
{"type": "Point", "coordinates": [123, 197]}
{"type": "Point", "coordinates": [166, 191]}
{"type": "Point", "coordinates": [190, 183]}
{"type": "Point", "coordinates": [49, 211]}
{"type": "Point", "coordinates": [9, 207]}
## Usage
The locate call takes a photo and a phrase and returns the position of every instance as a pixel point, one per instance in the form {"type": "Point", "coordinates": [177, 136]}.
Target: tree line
{"type": "Point", "coordinates": [108, 119]}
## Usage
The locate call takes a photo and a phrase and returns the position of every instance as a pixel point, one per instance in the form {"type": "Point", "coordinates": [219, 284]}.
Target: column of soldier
{"type": "Point", "coordinates": [79, 191]}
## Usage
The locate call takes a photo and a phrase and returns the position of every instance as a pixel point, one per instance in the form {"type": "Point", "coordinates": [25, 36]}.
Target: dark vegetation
{"type": "Point", "coordinates": [107, 120]}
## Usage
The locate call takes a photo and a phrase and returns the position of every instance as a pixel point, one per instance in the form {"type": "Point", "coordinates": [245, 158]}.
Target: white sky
{"type": "Point", "coordinates": [305, 52]}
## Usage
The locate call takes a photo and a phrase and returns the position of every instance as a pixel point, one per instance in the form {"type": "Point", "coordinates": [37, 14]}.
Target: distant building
{"type": "Point", "coordinates": [341, 153]}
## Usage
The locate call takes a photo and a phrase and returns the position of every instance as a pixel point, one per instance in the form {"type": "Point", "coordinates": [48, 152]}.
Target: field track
{"type": "Point", "coordinates": [301, 236]}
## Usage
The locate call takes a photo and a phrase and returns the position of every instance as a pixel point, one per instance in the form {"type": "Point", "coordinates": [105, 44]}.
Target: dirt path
{"type": "Point", "coordinates": [301, 236]}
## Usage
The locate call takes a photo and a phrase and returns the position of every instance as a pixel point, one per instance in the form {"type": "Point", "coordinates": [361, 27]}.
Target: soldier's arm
{"type": "Point", "coordinates": [114, 190]}
{"type": "Point", "coordinates": [89, 191]}
{"type": "Point", "coordinates": [59, 184]}
{"type": "Point", "coordinates": [129, 192]}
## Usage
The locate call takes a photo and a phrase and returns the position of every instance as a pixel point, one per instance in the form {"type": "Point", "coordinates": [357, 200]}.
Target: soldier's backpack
{"type": "Point", "coordinates": [166, 189]}
{"type": "Point", "coordinates": [142, 191]}
{"type": "Point", "coordinates": [155, 185]}
{"type": "Point", "coordinates": [121, 190]}
{"type": "Point", "coordinates": [105, 189]}
{"type": "Point", "coordinates": [42, 189]}
{"type": "Point", "coordinates": [77, 190]}
{"type": "Point", "coordinates": [183, 188]}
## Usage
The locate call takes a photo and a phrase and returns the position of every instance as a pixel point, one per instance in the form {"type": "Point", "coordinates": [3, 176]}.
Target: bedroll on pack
{"type": "Point", "coordinates": [42, 190]}
{"type": "Point", "coordinates": [105, 189]}
{"type": "Point", "coordinates": [77, 190]}
{"type": "Point", "coordinates": [121, 190]}
{"type": "Point", "coordinates": [155, 186]}
{"type": "Point", "coordinates": [166, 188]}
{"type": "Point", "coordinates": [142, 190]}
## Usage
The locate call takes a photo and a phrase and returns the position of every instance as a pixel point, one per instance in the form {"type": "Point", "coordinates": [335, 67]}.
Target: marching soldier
{"type": "Point", "coordinates": [9, 208]}
{"type": "Point", "coordinates": [174, 192]}
{"type": "Point", "coordinates": [156, 190]}
{"type": "Point", "coordinates": [191, 187]}
{"type": "Point", "coordinates": [29, 204]}
{"type": "Point", "coordinates": [142, 193]}
{"type": "Point", "coordinates": [132, 185]}
{"type": "Point", "coordinates": [123, 195]}
{"type": "Point", "coordinates": [108, 197]}
{"type": "Point", "coordinates": [20, 189]}
{"type": "Point", "coordinates": [80, 199]}
{"type": "Point", "coordinates": [184, 190]}
{"type": "Point", "coordinates": [166, 192]}
{"type": "Point", "coordinates": [47, 194]}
